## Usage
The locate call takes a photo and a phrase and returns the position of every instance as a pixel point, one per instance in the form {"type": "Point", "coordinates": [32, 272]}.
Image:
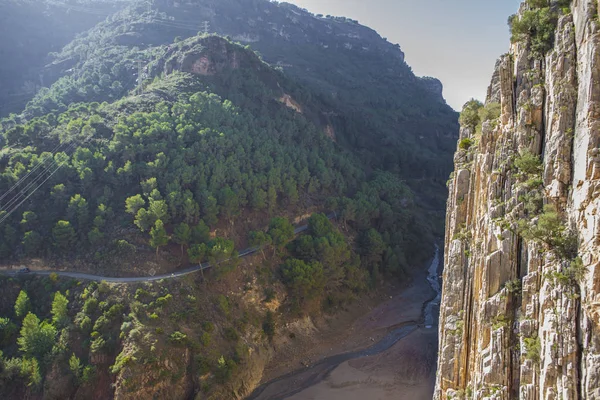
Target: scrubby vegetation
{"type": "Point", "coordinates": [474, 114]}
{"type": "Point", "coordinates": [537, 25]}
{"type": "Point", "coordinates": [532, 349]}
{"type": "Point", "coordinates": [544, 223]}
{"type": "Point", "coordinates": [550, 229]}
{"type": "Point", "coordinates": [528, 164]}
{"type": "Point", "coordinates": [68, 325]}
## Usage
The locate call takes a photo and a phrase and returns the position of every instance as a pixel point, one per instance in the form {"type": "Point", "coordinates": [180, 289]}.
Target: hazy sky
{"type": "Point", "coordinates": [456, 41]}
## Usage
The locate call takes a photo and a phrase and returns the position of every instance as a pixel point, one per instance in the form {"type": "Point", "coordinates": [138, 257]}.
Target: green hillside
{"type": "Point", "coordinates": [157, 147]}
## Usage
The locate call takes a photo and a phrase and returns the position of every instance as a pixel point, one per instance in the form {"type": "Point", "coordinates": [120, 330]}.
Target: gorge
{"type": "Point", "coordinates": [301, 158]}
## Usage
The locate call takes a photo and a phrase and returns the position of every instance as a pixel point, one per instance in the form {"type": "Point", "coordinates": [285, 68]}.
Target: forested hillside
{"type": "Point", "coordinates": [370, 94]}
{"type": "Point", "coordinates": [157, 147]}
{"type": "Point", "coordinates": [172, 156]}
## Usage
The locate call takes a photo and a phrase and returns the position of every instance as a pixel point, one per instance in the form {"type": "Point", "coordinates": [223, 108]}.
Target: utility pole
{"type": "Point", "coordinates": [140, 89]}
{"type": "Point", "coordinates": [206, 27]}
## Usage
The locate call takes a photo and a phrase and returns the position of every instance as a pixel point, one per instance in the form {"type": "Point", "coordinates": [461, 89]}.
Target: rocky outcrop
{"type": "Point", "coordinates": [520, 313]}
{"type": "Point", "coordinates": [206, 56]}
{"type": "Point", "coordinates": [290, 103]}
{"type": "Point", "coordinates": [433, 85]}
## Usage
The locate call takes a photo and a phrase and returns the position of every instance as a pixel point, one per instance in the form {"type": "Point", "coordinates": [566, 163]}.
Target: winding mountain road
{"type": "Point", "coordinates": [173, 275]}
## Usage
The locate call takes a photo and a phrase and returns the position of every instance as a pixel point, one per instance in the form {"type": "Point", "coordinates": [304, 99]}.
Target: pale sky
{"type": "Point", "coordinates": [456, 41]}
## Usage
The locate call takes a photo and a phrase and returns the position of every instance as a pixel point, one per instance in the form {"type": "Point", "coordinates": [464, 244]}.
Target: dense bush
{"type": "Point", "coordinates": [469, 117]}
{"type": "Point", "coordinates": [532, 349]}
{"type": "Point", "coordinates": [490, 112]}
{"type": "Point", "coordinates": [528, 163]}
{"type": "Point", "coordinates": [465, 144]}
{"type": "Point", "coordinates": [305, 280]}
{"type": "Point", "coordinates": [537, 25]}
{"type": "Point", "coordinates": [37, 337]}
{"type": "Point", "coordinates": [550, 229]}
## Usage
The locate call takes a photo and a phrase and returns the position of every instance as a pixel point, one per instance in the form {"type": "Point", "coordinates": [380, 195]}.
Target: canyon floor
{"type": "Point", "coordinates": [406, 371]}
{"type": "Point", "coordinates": [333, 363]}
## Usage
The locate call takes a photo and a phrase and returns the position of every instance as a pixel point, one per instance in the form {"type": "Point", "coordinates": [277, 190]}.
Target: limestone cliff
{"type": "Point", "coordinates": [520, 314]}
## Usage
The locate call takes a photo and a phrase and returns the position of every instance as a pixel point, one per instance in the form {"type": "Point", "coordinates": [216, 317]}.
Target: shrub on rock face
{"type": "Point", "coordinates": [490, 112]}
{"type": "Point", "coordinates": [528, 163]}
{"type": "Point", "coordinates": [532, 349]}
{"type": "Point", "coordinates": [465, 144]}
{"type": "Point", "coordinates": [178, 337]}
{"type": "Point", "coordinates": [538, 25]}
{"type": "Point", "coordinates": [551, 230]}
{"type": "Point", "coordinates": [469, 117]}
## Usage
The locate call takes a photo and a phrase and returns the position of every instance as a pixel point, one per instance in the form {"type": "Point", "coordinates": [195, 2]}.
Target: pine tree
{"type": "Point", "coordinates": [22, 305]}
{"type": "Point", "coordinates": [259, 240]}
{"type": "Point", "coordinates": [197, 253]}
{"type": "Point", "coordinates": [200, 233]}
{"type": "Point", "coordinates": [281, 231]}
{"type": "Point", "coordinates": [59, 310]}
{"type": "Point", "coordinates": [63, 235]}
{"type": "Point", "coordinates": [182, 235]}
{"type": "Point", "coordinates": [134, 203]}
{"type": "Point", "coordinates": [144, 220]}
{"type": "Point", "coordinates": [29, 221]}
{"type": "Point", "coordinates": [75, 367]}
{"type": "Point", "coordinates": [78, 212]}
{"type": "Point", "coordinates": [37, 338]}
{"type": "Point", "coordinates": [32, 242]}
{"type": "Point", "coordinates": [158, 236]}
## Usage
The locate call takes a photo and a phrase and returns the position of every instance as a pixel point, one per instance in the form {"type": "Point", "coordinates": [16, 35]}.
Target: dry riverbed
{"type": "Point", "coordinates": [322, 368]}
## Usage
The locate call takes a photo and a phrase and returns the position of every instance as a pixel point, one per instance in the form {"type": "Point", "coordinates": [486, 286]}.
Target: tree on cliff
{"type": "Point", "coordinates": [305, 280]}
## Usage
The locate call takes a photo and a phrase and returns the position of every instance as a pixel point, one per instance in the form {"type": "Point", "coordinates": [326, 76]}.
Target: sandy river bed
{"type": "Point", "coordinates": [399, 365]}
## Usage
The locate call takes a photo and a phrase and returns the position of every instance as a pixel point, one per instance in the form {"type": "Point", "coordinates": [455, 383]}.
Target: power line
{"type": "Point", "coordinates": [53, 154]}
{"type": "Point", "coordinates": [22, 191]}
{"type": "Point", "coordinates": [177, 25]}
{"type": "Point", "coordinates": [16, 207]}
{"type": "Point", "coordinates": [31, 172]}
{"type": "Point", "coordinates": [13, 202]}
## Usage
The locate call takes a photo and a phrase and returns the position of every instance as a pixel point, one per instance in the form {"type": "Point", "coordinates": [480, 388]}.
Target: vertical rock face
{"type": "Point", "coordinates": [520, 314]}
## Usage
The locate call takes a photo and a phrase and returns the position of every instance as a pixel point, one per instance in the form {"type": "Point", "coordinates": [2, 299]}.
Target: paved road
{"type": "Point", "coordinates": [177, 274]}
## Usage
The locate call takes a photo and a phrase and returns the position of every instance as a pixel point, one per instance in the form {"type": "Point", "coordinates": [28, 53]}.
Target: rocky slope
{"type": "Point", "coordinates": [521, 297]}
